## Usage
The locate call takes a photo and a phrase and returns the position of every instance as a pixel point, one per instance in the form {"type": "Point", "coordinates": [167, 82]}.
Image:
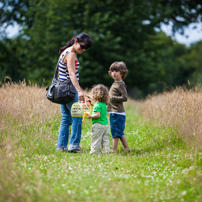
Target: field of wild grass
{"type": "Point", "coordinates": [163, 133]}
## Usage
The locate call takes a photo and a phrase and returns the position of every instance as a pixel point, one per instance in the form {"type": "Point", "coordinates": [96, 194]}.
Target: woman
{"type": "Point", "coordinates": [68, 69]}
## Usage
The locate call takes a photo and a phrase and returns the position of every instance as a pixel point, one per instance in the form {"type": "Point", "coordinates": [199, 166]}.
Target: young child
{"type": "Point", "coordinates": [100, 127]}
{"type": "Point", "coordinates": [118, 95]}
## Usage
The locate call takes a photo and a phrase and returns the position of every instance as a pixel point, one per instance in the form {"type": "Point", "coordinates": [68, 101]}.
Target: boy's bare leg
{"type": "Point", "coordinates": [115, 144]}
{"type": "Point", "coordinates": [124, 143]}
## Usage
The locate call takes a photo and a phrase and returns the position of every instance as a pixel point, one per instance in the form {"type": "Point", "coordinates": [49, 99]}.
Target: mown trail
{"type": "Point", "coordinates": [160, 167]}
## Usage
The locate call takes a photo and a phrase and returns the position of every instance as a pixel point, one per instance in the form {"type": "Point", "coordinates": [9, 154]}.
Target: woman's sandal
{"type": "Point", "coordinates": [75, 151]}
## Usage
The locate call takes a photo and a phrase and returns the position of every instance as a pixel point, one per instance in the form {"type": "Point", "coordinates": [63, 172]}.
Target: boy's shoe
{"type": "Point", "coordinates": [126, 150]}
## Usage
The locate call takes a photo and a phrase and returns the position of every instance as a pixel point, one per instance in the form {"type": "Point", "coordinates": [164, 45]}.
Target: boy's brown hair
{"type": "Point", "coordinates": [119, 66]}
{"type": "Point", "coordinates": [100, 93]}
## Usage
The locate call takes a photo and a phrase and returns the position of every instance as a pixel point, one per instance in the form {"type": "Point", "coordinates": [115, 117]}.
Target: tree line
{"type": "Point", "coordinates": [126, 31]}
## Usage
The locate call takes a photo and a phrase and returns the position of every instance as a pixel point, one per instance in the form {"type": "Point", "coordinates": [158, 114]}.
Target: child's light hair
{"type": "Point", "coordinates": [100, 93]}
{"type": "Point", "coordinates": [119, 66]}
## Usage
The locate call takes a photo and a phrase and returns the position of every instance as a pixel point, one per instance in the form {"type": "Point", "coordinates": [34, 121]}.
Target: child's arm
{"type": "Point", "coordinates": [94, 116]}
{"type": "Point", "coordinates": [89, 97]}
{"type": "Point", "coordinates": [119, 98]}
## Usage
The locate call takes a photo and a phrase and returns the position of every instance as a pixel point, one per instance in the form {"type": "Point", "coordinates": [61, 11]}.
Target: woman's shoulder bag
{"type": "Point", "coordinates": [60, 92]}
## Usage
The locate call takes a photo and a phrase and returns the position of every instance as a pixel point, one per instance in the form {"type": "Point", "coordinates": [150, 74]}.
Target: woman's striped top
{"type": "Point", "coordinates": [63, 70]}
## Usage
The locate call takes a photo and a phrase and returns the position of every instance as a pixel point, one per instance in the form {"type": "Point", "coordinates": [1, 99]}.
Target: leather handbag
{"type": "Point", "coordinates": [60, 92]}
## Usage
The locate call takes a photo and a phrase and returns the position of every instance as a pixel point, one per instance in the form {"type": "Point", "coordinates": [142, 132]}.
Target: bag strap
{"type": "Point", "coordinates": [56, 69]}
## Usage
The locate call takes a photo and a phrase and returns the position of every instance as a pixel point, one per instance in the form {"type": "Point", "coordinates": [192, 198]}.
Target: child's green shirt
{"type": "Point", "coordinates": [102, 108]}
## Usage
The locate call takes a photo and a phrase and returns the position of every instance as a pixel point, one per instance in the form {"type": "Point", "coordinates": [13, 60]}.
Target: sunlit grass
{"type": "Point", "coordinates": [179, 109]}
{"type": "Point", "coordinates": [161, 166]}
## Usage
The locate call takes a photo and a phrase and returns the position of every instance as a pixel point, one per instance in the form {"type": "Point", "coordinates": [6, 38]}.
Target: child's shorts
{"type": "Point", "coordinates": [117, 124]}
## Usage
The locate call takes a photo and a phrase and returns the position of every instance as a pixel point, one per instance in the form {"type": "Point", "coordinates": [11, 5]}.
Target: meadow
{"type": "Point", "coordinates": [163, 133]}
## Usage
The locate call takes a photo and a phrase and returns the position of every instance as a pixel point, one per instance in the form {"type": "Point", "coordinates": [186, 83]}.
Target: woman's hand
{"type": "Point", "coordinates": [81, 95]}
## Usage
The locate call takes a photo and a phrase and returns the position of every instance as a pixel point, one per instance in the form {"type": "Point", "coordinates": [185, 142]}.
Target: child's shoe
{"type": "Point", "coordinates": [126, 150]}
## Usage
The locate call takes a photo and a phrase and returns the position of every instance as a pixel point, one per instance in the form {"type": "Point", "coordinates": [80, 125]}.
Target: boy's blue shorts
{"type": "Point", "coordinates": [117, 124]}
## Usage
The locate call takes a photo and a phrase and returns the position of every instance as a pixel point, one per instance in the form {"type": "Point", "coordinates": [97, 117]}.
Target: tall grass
{"type": "Point", "coordinates": [180, 109]}
{"type": "Point", "coordinates": [21, 106]}
{"type": "Point", "coordinates": [26, 103]}
{"type": "Point", "coordinates": [160, 167]}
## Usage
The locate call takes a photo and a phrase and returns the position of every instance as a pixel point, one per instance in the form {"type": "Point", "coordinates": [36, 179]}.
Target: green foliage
{"type": "Point", "coordinates": [121, 30]}
{"type": "Point", "coordinates": [173, 64]}
{"type": "Point", "coordinates": [10, 65]}
{"type": "Point", "coordinates": [196, 62]}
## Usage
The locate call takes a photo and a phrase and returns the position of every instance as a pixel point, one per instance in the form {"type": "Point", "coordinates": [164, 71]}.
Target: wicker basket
{"type": "Point", "coordinates": [78, 109]}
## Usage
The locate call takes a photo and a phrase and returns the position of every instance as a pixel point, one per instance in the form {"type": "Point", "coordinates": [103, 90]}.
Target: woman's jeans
{"type": "Point", "coordinates": [66, 121]}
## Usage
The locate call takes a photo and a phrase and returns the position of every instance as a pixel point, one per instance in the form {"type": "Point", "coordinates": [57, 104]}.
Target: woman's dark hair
{"type": "Point", "coordinates": [82, 37]}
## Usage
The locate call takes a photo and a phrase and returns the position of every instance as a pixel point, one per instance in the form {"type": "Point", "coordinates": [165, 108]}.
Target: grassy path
{"type": "Point", "coordinates": [160, 166]}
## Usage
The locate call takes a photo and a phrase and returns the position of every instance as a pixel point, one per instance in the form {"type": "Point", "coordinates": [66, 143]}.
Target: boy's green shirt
{"type": "Point", "coordinates": [102, 108]}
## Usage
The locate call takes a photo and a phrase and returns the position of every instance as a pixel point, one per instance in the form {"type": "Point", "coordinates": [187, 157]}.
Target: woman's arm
{"type": "Point", "coordinates": [70, 60]}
